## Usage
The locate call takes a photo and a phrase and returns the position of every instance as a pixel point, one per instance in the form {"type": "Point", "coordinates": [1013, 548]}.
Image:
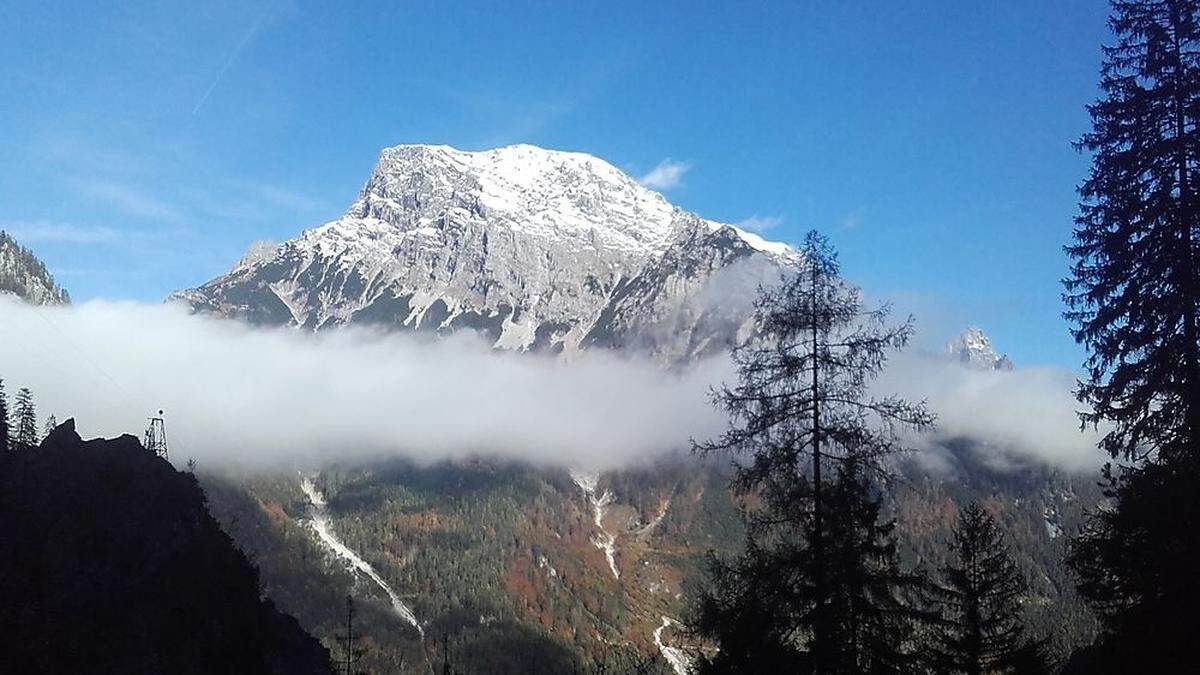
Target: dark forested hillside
{"type": "Point", "coordinates": [111, 563]}
{"type": "Point", "coordinates": [499, 562]}
{"type": "Point", "coordinates": [496, 559]}
{"type": "Point", "coordinates": [1038, 509]}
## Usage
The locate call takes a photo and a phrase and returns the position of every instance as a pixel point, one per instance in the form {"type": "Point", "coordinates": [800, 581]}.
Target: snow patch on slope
{"type": "Point", "coordinates": [605, 541]}
{"type": "Point", "coordinates": [675, 656]}
{"type": "Point", "coordinates": [319, 521]}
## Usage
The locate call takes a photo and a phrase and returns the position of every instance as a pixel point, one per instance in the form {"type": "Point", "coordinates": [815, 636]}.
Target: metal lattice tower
{"type": "Point", "coordinates": [156, 436]}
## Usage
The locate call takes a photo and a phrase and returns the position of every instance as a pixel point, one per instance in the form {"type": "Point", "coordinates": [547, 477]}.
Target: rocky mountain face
{"type": "Point", "coordinates": [537, 250]}
{"type": "Point", "coordinates": [23, 275]}
{"type": "Point", "coordinates": [974, 349]}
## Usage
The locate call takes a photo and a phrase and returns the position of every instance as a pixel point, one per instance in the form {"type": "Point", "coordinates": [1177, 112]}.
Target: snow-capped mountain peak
{"type": "Point", "coordinates": [569, 196]}
{"type": "Point", "coordinates": [973, 348]}
{"type": "Point", "coordinates": [536, 248]}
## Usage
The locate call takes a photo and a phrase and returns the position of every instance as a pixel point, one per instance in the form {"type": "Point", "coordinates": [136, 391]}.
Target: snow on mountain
{"type": "Point", "coordinates": [319, 521]}
{"type": "Point", "coordinates": [973, 349]}
{"type": "Point", "coordinates": [23, 275]}
{"type": "Point", "coordinates": [536, 249]}
{"type": "Point", "coordinates": [605, 541]}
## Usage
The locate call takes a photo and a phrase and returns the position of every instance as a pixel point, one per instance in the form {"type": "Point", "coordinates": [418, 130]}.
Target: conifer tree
{"type": "Point", "coordinates": [980, 630]}
{"type": "Point", "coordinates": [817, 586]}
{"type": "Point", "coordinates": [1134, 298]}
{"type": "Point", "coordinates": [51, 423]}
{"type": "Point", "coordinates": [351, 652]}
{"type": "Point", "coordinates": [25, 432]}
{"type": "Point", "coordinates": [1133, 288]}
{"type": "Point", "coordinates": [873, 603]}
{"type": "Point", "coordinates": [5, 420]}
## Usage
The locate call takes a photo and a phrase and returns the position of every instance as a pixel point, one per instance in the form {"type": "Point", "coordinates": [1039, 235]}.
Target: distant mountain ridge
{"type": "Point", "coordinates": [25, 276]}
{"type": "Point", "coordinates": [539, 250]}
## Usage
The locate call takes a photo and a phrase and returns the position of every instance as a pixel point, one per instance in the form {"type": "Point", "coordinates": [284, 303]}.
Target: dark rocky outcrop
{"type": "Point", "coordinates": [111, 563]}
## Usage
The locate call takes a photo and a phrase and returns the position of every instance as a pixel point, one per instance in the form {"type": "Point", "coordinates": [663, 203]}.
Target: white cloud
{"type": "Point", "coordinates": [35, 231]}
{"type": "Point", "coordinates": [285, 198]}
{"type": "Point", "coordinates": [666, 175]}
{"type": "Point", "coordinates": [131, 200]}
{"type": "Point", "coordinates": [259, 397]}
{"type": "Point", "coordinates": [237, 395]}
{"type": "Point", "coordinates": [1030, 412]}
{"type": "Point", "coordinates": [757, 223]}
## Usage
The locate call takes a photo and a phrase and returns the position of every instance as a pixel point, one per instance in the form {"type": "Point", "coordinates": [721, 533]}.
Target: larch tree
{"type": "Point", "coordinates": [1133, 296]}
{"type": "Point", "coordinates": [818, 584]}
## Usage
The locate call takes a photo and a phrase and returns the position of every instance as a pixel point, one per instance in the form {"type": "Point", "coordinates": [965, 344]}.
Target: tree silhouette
{"type": "Point", "coordinates": [818, 580]}
{"type": "Point", "coordinates": [25, 432]}
{"type": "Point", "coordinates": [1134, 298]}
{"type": "Point", "coordinates": [351, 653]}
{"type": "Point", "coordinates": [5, 420]}
{"type": "Point", "coordinates": [51, 423]}
{"type": "Point", "coordinates": [980, 630]}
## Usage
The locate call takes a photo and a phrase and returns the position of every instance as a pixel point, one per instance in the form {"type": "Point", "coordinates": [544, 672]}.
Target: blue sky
{"type": "Point", "coordinates": [145, 146]}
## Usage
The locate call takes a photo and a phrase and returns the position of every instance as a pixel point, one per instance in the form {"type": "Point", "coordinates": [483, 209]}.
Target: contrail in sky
{"type": "Point", "coordinates": [229, 62]}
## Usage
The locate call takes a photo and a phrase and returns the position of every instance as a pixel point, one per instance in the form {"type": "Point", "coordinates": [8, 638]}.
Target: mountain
{"type": "Point", "coordinates": [111, 563]}
{"type": "Point", "coordinates": [974, 349]}
{"type": "Point", "coordinates": [514, 568]}
{"type": "Point", "coordinates": [486, 565]}
{"type": "Point", "coordinates": [23, 275]}
{"type": "Point", "coordinates": [536, 249]}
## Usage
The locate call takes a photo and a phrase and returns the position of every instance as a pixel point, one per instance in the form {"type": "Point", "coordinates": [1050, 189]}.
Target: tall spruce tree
{"type": "Point", "coordinates": [1134, 297]}
{"type": "Point", "coordinates": [1134, 286]}
{"type": "Point", "coordinates": [872, 602]}
{"type": "Point", "coordinates": [818, 588]}
{"type": "Point", "coordinates": [5, 420]}
{"type": "Point", "coordinates": [25, 431]}
{"type": "Point", "coordinates": [980, 630]}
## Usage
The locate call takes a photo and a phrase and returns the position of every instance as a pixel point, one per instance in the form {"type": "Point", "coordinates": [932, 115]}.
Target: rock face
{"type": "Point", "coordinates": [112, 564]}
{"type": "Point", "coordinates": [23, 275]}
{"type": "Point", "coordinates": [972, 348]}
{"type": "Point", "coordinates": [535, 249]}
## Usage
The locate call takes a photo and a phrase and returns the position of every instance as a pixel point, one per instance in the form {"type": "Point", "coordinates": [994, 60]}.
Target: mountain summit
{"type": "Point", "coordinates": [536, 249]}
{"type": "Point", "coordinates": [973, 348]}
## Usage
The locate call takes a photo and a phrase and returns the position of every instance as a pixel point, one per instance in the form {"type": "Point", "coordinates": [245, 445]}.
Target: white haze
{"type": "Point", "coordinates": [1026, 412]}
{"type": "Point", "coordinates": [255, 398]}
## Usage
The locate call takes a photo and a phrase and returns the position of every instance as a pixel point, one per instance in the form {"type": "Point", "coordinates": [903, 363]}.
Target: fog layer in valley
{"type": "Point", "coordinates": [243, 397]}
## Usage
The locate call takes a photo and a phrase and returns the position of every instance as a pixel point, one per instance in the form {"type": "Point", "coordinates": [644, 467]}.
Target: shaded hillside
{"type": "Point", "coordinates": [497, 559]}
{"type": "Point", "coordinates": [111, 563]}
{"type": "Point", "coordinates": [501, 559]}
{"type": "Point", "coordinates": [1039, 509]}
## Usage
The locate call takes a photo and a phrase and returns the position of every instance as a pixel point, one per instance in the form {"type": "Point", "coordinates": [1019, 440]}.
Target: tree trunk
{"type": "Point", "coordinates": [821, 648]}
{"type": "Point", "coordinates": [1186, 269]}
